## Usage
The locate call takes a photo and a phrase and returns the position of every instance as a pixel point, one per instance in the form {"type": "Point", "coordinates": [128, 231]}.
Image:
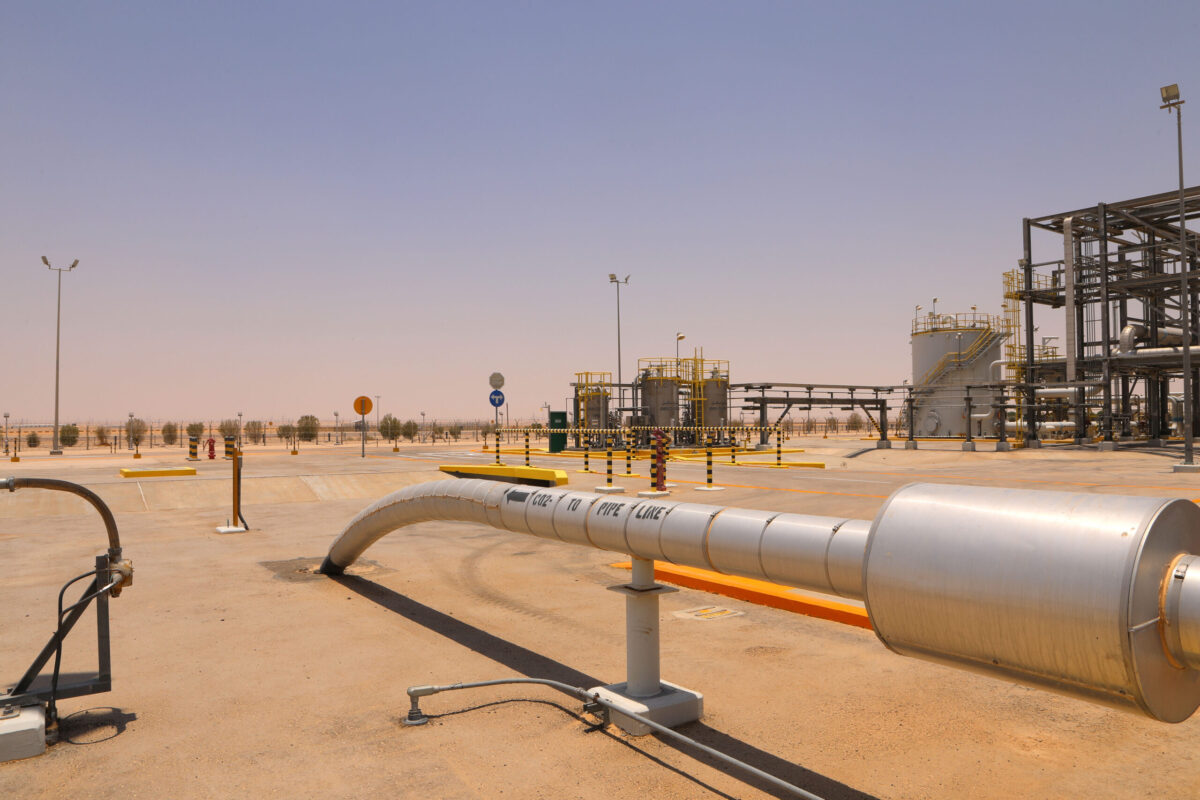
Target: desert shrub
{"type": "Point", "coordinates": [68, 435]}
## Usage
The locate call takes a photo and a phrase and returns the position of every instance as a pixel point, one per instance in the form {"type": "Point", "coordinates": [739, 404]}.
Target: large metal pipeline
{"type": "Point", "coordinates": [1090, 595]}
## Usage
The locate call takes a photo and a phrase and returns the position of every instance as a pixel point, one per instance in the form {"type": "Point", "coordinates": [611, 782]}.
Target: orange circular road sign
{"type": "Point", "coordinates": [362, 405]}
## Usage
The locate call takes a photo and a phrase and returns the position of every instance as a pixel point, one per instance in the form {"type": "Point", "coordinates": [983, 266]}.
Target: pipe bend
{"type": "Point", "coordinates": [110, 523]}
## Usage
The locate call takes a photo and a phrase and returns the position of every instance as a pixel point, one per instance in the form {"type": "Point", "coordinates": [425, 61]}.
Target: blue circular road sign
{"type": "Point", "coordinates": [496, 398]}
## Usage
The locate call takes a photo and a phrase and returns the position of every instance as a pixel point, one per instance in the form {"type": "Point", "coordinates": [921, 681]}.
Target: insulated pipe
{"type": "Point", "coordinates": [824, 554]}
{"type": "Point", "coordinates": [110, 524]}
{"type": "Point", "coordinates": [1095, 596]}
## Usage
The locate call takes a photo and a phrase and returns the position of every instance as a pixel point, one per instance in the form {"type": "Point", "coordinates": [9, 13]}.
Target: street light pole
{"type": "Point", "coordinates": [337, 429]}
{"type": "Point", "coordinates": [377, 412]}
{"type": "Point", "coordinates": [55, 450]}
{"type": "Point", "coordinates": [679, 337]}
{"type": "Point", "coordinates": [1172, 101]}
{"type": "Point", "coordinates": [612, 278]}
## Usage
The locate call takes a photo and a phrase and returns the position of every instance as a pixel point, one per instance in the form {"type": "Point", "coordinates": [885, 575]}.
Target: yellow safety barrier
{"type": "Point", "coordinates": [532, 476]}
{"type": "Point", "coordinates": [165, 472]}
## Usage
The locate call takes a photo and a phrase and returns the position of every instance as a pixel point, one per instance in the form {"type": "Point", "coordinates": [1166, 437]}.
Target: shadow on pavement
{"type": "Point", "coordinates": [535, 665]}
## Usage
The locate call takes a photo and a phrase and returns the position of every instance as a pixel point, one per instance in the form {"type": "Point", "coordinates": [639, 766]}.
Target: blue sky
{"type": "Point", "coordinates": [278, 207]}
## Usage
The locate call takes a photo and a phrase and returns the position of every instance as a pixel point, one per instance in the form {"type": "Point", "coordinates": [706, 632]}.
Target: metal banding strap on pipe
{"type": "Point", "coordinates": [823, 554]}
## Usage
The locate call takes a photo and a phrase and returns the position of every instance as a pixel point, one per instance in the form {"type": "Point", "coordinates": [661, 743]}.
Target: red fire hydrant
{"type": "Point", "coordinates": [212, 449]}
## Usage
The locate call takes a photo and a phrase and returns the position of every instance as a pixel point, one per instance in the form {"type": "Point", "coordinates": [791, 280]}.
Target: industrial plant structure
{"type": "Point", "coordinates": [1117, 277]}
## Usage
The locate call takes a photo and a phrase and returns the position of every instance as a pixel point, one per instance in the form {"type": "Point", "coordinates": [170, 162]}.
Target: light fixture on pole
{"type": "Point", "coordinates": [934, 311]}
{"type": "Point", "coordinates": [337, 429]}
{"type": "Point", "coordinates": [377, 412]}
{"type": "Point", "coordinates": [6, 433]}
{"type": "Point", "coordinates": [612, 278]}
{"type": "Point", "coordinates": [129, 430]}
{"type": "Point", "coordinates": [239, 429]}
{"type": "Point", "coordinates": [679, 337]}
{"type": "Point", "coordinates": [422, 426]}
{"type": "Point", "coordinates": [1173, 102]}
{"type": "Point", "coordinates": [55, 449]}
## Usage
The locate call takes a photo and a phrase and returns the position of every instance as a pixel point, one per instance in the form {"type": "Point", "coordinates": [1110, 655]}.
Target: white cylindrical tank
{"type": "Point", "coordinates": [950, 352]}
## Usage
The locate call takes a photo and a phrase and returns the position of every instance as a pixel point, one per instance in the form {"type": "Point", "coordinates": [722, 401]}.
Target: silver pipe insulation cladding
{"type": "Point", "coordinates": [1095, 596]}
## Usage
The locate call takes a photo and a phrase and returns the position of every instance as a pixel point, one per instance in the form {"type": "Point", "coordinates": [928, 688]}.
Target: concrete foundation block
{"type": "Point", "coordinates": [883, 444]}
{"type": "Point", "coordinates": [609, 489]}
{"type": "Point", "coordinates": [968, 447]}
{"type": "Point", "coordinates": [1186, 468]}
{"type": "Point", "coordinates": [653, 493]}
{"type": "Point", "coordinates": [1106, 447]}
{"type": "Point", "coordinates": [673, 706]}
{"type": "Point", "coordinates": [22, 733]}
{"type": "Point", "coordinates": [910, 444]}
{"type": "Point", "coordinates": [1003, 447]}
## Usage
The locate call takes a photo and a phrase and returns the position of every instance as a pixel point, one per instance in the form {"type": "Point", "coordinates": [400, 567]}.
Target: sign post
{"type": "Point", "coordinates": [362, 407]}
{"type": "Point", "coordinates": [496, 381]}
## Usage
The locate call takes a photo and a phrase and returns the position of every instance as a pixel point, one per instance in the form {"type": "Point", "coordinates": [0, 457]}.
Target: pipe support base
{"type": "Point", "coordinates": [672, 706]}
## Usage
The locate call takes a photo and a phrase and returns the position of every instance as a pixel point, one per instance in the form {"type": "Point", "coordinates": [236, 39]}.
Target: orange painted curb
{"type": "Point", "coordinates": [760, 593]}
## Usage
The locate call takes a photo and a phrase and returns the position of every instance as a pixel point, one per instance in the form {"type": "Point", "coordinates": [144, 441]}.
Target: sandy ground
{"type": "Point", "coordinates": [240, 673]}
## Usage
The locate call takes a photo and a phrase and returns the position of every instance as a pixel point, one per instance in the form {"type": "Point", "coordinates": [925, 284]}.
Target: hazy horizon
{"type": "Point", "coordinates": [275, 212]}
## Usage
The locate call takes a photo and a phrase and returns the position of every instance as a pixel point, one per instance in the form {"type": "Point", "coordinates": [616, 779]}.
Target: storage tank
{"type": "Point", "coordinates": [660, 399]}
{"type": "Point", "coordinates": [950, 352]}
{"type": "Point", "coordinates": [716, 402]}
{"type": "Point", "coordinates": [594, 409]}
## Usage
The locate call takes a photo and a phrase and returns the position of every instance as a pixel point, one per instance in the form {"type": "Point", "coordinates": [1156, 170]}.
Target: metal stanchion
{"type": "Point", "coordinates": [587, 447]}
{"type": "Point", "coordinates": [708, 458]}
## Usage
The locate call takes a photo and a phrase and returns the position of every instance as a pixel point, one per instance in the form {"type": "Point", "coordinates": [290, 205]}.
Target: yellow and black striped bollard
{"type": "Point", "coordinates": [497, 445]}
{"type": "Point", "coordinates": [778, 446]}
{"type": "Point", "coordinates": [527, 447]}
{"type": "Point", "coordinates": [629, 456]}
{"type": "Point", "coordinates": [608, 455]}
{"type": "Point", "coordinates": [193, 448]}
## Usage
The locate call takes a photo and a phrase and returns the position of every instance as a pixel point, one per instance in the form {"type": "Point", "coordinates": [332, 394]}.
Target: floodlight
{"type": "Point", "coordinates": [45, 261]}
{"type": "Point", "coordinates": [74, 264]}
{"type": "Point", "coordinates": [612, 276]}
{"type": "Point", "coordinates": [1170, 94]}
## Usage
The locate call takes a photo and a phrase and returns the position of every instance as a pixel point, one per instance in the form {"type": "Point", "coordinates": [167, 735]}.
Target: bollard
{"type": "Point", "coordinates": [628, 456]}
{"type": "Point", "coordinates": [708, 482]}
{"type": "Point", "coordinates": [778, 446]}
{"type": "Point", "coordinates": [527, 447]}
{"type": "Point", "coordinates": [497, 445]}
{"type": "Point", "coordinates": [660, 455]}
{"type": "Point", "coordinates": [608, 455]}
{"type": "Point", "coordinates": [230, 447]}
{"type": "Point", "coordinates": [587, 445]}
{"type": "Point", "coordinates": [193, 448]}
